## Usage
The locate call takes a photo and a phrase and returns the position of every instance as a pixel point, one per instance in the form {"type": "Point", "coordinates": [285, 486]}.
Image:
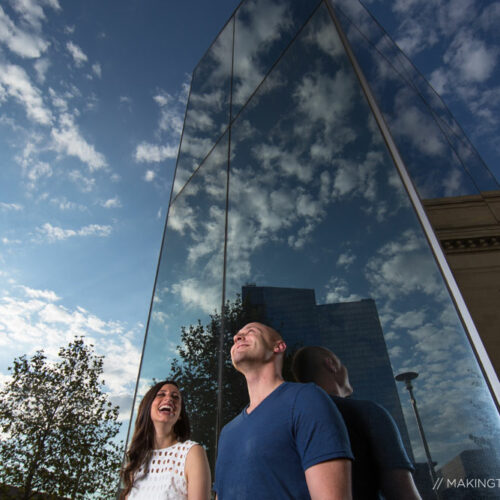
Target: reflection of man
{"type": "Point", "coordinates": [290, 441]}
{"type": "Point", "coordinates": [381, 464]}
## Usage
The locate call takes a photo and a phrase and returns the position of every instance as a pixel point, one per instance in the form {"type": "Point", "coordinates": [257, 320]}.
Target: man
{"type": "Point", "coordinates": [290, 441]}
{"type": "Point", "coordinates": [381, 464]}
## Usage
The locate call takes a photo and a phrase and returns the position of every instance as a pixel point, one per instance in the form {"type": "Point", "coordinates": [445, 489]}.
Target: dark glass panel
{"type": "Point", "coordinates": [185, 320]}
{"type": "Point", "coordinates": [387, 69]}
{"type": "Point", "coordinates": [324, 245]}
{"type": "Point", "coordinates": [263, 29]}
{"type": "Point", "coordinates": [207, 115]}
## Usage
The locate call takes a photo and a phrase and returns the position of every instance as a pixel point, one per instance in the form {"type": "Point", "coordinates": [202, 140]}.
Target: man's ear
{"type": "Point", "coordinates": [329, 364]}
{"type": "Point", "coordinates": [279, 347]}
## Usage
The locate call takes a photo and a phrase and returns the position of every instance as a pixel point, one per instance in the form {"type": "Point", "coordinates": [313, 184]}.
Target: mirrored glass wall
{"type": "Point", "coordinates": [287, 208]}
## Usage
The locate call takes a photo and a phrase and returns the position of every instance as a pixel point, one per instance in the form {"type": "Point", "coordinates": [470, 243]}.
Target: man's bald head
{"type": "Point", "coordinates": [321, 366]}
{"type": "Point", "coordinates": [257, 343]}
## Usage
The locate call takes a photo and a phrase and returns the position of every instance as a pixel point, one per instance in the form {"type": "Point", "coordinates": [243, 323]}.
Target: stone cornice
{"type": "Point", "coordinates": [478, 244]}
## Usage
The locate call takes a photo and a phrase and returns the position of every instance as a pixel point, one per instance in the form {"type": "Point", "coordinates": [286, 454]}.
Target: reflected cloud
{"type": "Point", "coordinates": [259, 23]}
{"type": "Point", "coordinates": [337, 290]}
{"type": "Point", "coordinates": [314, 98]}
{"type": "Point", "coordinates": [196, 294]}
{"type": "Point", "coordinates": [393, 272]}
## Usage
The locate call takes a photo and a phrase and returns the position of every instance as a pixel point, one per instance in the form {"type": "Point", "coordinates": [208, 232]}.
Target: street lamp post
{"type": "Point", "coordinates": [407, 377]}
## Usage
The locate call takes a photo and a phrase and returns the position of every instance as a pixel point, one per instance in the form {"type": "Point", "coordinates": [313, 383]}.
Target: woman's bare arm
{"type": "Point", "coordinates": [197, 474]}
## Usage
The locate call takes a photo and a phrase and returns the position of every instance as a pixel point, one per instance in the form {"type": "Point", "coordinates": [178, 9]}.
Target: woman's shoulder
{"type": "Point", "coordinates": [186, 446]}
{"type": "Point", "coordinates": [187, 443]}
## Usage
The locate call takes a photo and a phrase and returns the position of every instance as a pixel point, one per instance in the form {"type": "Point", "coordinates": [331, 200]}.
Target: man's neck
{"type": "Point", "coordinates": [260, 384]}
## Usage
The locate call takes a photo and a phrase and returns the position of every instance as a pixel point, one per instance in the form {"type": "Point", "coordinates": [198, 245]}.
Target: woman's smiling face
{"type": "Point", "coordinates": [166, 405]}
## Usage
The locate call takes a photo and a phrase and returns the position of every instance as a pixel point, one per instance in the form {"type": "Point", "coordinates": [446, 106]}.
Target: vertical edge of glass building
{"type": "Point", "coordinates": [312, 159]}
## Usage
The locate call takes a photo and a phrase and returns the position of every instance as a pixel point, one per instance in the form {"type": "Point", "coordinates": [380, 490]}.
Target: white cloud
{"type": "Point", "coordinates": [64, 204]}
{"type": "Point", "coordinates": [353, 178]}
{"type": "Point", "coordinates": [18, 86]}
{"type": "Point", "coordinates": [54, 233]}
{"type": "Point", "coordinates": [395, 351]}
{"type": "Point", "coordinates": [6, 241]}
{"type": "Point", "coordinates": [272, 156]}
{"type": "Point", "coordinates": [32, 11]}
{"type": "Point", "coordinates": [41, 67]}
{"type": "Point", "coordinates": [97, 70]}
{"type": "Point", "coordinates": [410, 319]}
{"type": "Point", "coordinates": [263, 23]}
{"type": "Point", "coordinates": [10, 206]}
{"type": "Point", "coordinates": [22, 43]}
{"type": "Point", "coordinates": [171, 113]}
{"type": "Point", "coordinates": [346, 259]}
{"type": "Point", "coordinates": [337, 290]}
{"type": "Point", "coordinates": [37, 171]}
{"type": "Point", "coordinates": [181, 216]}
{"type": "Point", "coordinates": [150, 175]}
{"type": "Point", "coordinates": [77, 53]}
{"type": "Point", "coordinates": [47, 295]}
{"type": "Point", "coordinates": [471, 57]}
{"type": "Point", "coordinates": [153, 153]}
{"type": "Point", "coordinates": [68, 139]}
{"type": "Point", "coordinates": [416, 37]}
{"type": "Point", "coordinates": [439, 80]}
{"type": "Point", "coordinates": [86, 184]}
{"type": "Point", "coordinates": [34, 321]}
{"type": "Point", "coordinates": [112, 203]}
{"type": "Point", "coordinates": [313, 97]}
{"type": "Point", "coordinates": [417, 126]}
{"type": "Point", "coordinates": [196, 294]}
{"type": "Point", "coordinates": [392, 273]}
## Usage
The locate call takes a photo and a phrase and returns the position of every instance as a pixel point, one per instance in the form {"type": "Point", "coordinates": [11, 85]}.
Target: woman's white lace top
{"type": "Point", "coordinates": [164, 478]}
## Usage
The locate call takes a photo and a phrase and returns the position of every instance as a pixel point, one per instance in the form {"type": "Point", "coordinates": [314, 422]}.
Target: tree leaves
{"type": "Point", "coordinates": [58, 426]}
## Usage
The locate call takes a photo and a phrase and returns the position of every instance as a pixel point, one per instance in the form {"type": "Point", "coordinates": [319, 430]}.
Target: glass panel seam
{"type": "Point", "coordinates": [148, 321]}
{"type": "Point", "coordinates": [180, 142]}
{"type": "Point", "coordinates": [220, 375]}
{"type": "Point", "coordinates": [276, 62]}
{"type": "Point", "coordinates": [200, 165]}
{"type": "Point", "coordinates": [231, 119]}
{"type": "Point", "coordinates": [469, 326]}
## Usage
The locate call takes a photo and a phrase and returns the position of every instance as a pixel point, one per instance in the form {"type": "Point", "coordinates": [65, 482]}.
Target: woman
{"type": "Point", "coordinates": [163, 464]}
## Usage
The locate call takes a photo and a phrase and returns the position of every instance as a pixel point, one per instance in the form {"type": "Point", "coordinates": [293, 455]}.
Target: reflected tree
{"type": "Point", "coordinates": [196, 369]}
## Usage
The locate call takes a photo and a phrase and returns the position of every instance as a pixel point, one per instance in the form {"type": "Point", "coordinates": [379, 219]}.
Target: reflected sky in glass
{"type": "Point", "coordinates": [263, 29]}
{"type": "Point", "coordinates": [189, 288]}
{"type": "Point", "coordinates": [207, 115]}
{"type": "Point", "coordinates": [315, 203]}
{"type": "Point", "coordinates": [440, 157]}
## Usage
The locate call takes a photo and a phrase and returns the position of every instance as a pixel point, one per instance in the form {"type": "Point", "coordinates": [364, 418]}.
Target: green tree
{"type": "Point", "coordinates": [58, 426]}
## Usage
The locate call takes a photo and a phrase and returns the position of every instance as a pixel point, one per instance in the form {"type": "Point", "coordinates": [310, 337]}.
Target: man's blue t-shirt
{"type": "Point", "coordinates": [264, 454]}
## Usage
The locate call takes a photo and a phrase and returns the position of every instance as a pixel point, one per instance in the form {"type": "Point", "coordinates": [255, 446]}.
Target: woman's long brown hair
{"type": "Point", "coordinates": [142, 443]}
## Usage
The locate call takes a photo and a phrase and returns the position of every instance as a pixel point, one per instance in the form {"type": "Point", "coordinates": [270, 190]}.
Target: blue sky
{"type": "Point", "coordinates": [92, 99]}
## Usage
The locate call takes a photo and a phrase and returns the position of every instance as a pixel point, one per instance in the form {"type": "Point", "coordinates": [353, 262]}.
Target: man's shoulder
{"type": "Point", "coordinates": [234, 423]}
{"type": "Point", "coordinates": [364, 411]}
{"type": "Point", "coordinates": [308, 389]}
{"type": "Point", "coordinates": [363, 405]}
